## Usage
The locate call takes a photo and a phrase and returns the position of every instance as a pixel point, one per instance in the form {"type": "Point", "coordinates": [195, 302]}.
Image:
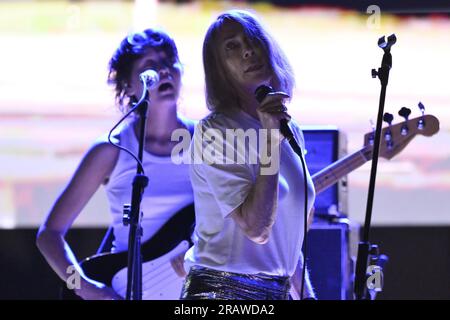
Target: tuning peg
{"type": "Point", "coordinates": [421, 122]}
{"type": "Point", "coordinates": [388, 118]}
{"type": "Point", "coordinates": [404, 112]}
{"type": "Point", "coordinates": [421, 107]}
{"type": "Point", "coordinates": [374, 73]}
{"type": "Point", "coordinates": [388, 135]}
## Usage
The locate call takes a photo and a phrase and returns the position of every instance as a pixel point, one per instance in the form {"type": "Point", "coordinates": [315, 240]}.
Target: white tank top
{"type": "Point", "coordinates": [169, 188]}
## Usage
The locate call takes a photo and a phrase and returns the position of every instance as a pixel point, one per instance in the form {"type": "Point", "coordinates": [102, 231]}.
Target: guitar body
{"type": "Point", "coordinates": [159, 280]}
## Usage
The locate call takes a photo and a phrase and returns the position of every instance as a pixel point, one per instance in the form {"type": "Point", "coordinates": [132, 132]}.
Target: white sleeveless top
{"type": "Point", "coordinates": [169, 188]}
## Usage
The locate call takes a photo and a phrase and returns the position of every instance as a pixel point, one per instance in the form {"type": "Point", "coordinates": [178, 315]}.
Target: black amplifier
{"type": "Point", "coordinates": [330, 256]}
{"type": "Point", "coordinates": [325, 145]}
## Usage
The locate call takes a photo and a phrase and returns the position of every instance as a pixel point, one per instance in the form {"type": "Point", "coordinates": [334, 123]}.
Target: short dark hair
{"type": "Point", "coordinates": [131, 49]}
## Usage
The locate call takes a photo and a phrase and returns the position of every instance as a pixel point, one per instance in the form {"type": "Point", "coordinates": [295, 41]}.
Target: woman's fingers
{"type": "Point", "coordinates": [274, 102]}
{"type": "Point", "coordinates": [178, 265]}
{"type": "Point", "coordinates": [280, 111]}
{"type": "Point", "coordinates": [97, 291]}
{"type": "Point", "coordinates": [276, 95]}
{"type": "Point", "coordinates": [274, 109]}
{"type": "Point", "coordinates": [284, 115]}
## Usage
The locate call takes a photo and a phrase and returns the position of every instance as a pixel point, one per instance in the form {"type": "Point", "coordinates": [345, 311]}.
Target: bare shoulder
{"type": "Point", "coordinates": [101, 156]}
{"type": "Point", "coordinates": [95, 166]}
{"type": "Point", "coordinates": [103, 149]}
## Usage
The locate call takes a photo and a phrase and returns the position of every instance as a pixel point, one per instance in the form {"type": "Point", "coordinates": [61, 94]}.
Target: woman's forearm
{"type": "Point", "coordinates": [258, 211]}
{"type": "Point", "coordinates": [58, 254]}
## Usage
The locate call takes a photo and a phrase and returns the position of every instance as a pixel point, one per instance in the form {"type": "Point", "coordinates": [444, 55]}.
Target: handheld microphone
{"type": "Point", "coordinates": [260, 93]}
{"type": "Point", "coordinates": [149, 77]}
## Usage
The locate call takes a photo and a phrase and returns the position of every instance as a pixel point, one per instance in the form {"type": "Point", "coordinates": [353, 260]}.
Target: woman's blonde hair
{"type": "Point", "coordinates": [220, 92]}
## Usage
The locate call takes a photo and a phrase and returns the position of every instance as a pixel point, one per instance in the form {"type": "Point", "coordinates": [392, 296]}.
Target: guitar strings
{"type": "Point", "coordinates": [162, 277]}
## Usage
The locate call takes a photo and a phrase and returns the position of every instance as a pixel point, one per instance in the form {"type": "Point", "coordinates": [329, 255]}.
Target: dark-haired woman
{"type": "Point", "coordinates": [169, 188]}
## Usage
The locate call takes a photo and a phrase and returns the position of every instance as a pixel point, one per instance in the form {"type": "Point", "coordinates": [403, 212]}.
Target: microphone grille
{"type": "Point", "coordinates": [150, 77]}
{"type": "Point", "coordinates": [262, 91]}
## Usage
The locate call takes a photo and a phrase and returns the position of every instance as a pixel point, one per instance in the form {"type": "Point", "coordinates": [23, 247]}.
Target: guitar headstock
{"type": "Point", "coordinates": [395, 138]}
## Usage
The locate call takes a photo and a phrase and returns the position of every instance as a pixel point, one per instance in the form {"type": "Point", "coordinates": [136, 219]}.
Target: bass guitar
{"type": "Point", "coordinates": [159, 280]}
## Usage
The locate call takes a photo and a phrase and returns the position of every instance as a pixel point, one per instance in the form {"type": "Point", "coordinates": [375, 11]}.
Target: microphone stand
{"type": "Point", "coordinates": [132, 214]}
{"type": "Point", "coordinates": [366, 251]}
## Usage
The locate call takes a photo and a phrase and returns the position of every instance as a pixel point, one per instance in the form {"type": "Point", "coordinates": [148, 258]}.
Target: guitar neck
{"type": "Point", "coordinates": [331, 174]}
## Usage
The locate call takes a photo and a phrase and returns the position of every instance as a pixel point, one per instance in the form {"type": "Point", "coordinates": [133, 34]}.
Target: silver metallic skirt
{"type": "Point", "coordinates": [206, 283]}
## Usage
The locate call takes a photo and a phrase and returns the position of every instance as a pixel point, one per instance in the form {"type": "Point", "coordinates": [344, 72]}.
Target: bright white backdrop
{"type": "Point", "coordinates": [54, 100]}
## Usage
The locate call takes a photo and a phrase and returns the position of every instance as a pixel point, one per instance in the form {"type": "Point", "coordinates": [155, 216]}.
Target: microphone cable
{"type": "Point", "coordinates": [295, 146]}
{"type": "Point", "coordinates": [136, 105]}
